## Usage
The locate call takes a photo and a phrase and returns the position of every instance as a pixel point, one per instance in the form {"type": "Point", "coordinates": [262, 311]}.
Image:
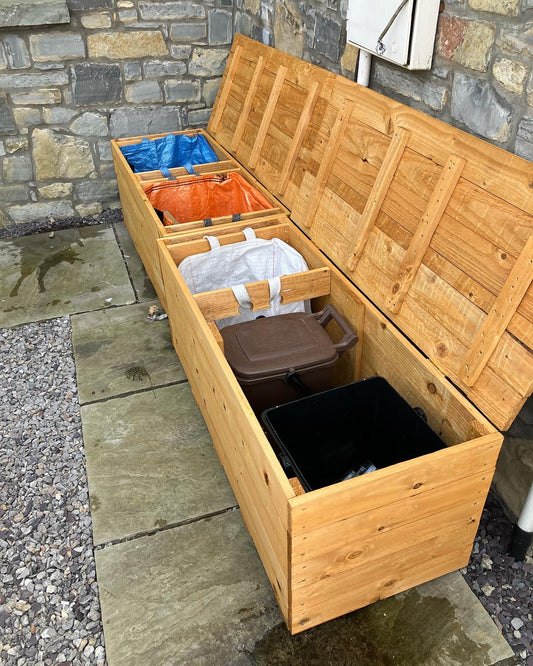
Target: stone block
{"type": "Point", "coordinates": [210, 90]}
{"type": "Point", "coordinates": [476, 104]}
{"type": "Point", "coordinates": [188, 31]}
{"type": "Point", "coordinates": [125, 4]}
{"type": "Point", "coordinates": [83, 210]}
{"type": "Point", "coordinates": [56, 191]}
{"type": "Point", "coordinates": [26, 117]}
{"type": "Point", "coordinates": [410, 85]}
{"type": "Point", "coordinates": [16, 52]}
{"type": "Point", "coordinates": [199, 117]}
{"type": "Point", "coordinates": [7, 122]}
{"type": "Point", "coordinates": [243, 23]}
{"type": "Point", "coordinates": [511, 74]}
{"type": "Point", "coordinates": [33, 12]}
{"type": "Point", "coordinates": [37, 96]}
{"type": "Point", "coordinates": [2, 149]}
{"type": "Point", "coordinates": [132, 71]}
{"type": "Point", "coordinates": [517, 40]}
{"type": "Point", "coordinates": [182, 91]}
{"type": "Point", "coordinates": [58, 115]}
{"type": "Point", "coordinates": [136, 122]}
{"type": "Point", "coordinates": [475, 50]}
{"type": "Point", "coordinates": [261, 34]}
{"type": "Point", "coordinates": [56, 46]}
{"type": "Point", "coordinates": [104, 150]}
{"type": "Point", "coordinates": [17, 169]}
{"type": "Point", "coordinates": [96, 190]}
{"type": "Point", "coordinates": [93, 84]}
{"type": "Point", "coordinates": [84, 5]}
{"type": "Point", "coordinates": [59, 156]}
{"type": "Point", "coordinates": [450, 34]}
{"type": "Point", "coordinates": [127, 15]}
{"type": "Point", "coordinates": [122, 45]}
{"type": "Point", "coordinates": [180, 52]}
{"type": "Point", "coordinates": [349, 60]}
{"type": "Point", "coordinates": [219, 26]}
{"type": "Point", "coordinates": [3, 58]}
{"type": "Point", "coordinates": [208, 62]}
{"type": "Point", "coordinates": [143, 91]}
{"type": "Point", "coordinates": [90, 124]}
{"type": "Point", "coordinates": [504, 7]}
{"type": "Point", "coordinates": [96, 21]}
{"type": "Point", "coordinates": [33, 80]}
{"type": "Point", "coordinates": [15, 143]}
{"type": "Point", "coordinates": [36, 211]}
{"type": "Point", "coordinates": [14, 193]}
{"type": "Point", "coordinates": [171, 11]}
{"type": "Point", "coordinates": [164, 68]}
{"type": "Point", "coordinates": [327, 37]}
{"type": "Point", "coordinates": [524, 139]}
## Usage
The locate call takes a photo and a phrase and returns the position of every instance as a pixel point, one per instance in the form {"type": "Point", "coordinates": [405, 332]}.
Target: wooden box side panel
{"type": "Point", "coordinates": [258, 482]}
{"type": "Point", "coordinates": [370, 538]}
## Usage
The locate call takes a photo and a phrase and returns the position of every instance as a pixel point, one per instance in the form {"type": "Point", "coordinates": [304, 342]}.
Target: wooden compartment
{"type": "Point", "coordinates": [421, 237]}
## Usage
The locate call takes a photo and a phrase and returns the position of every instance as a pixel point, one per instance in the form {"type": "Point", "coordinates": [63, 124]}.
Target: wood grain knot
{"type": "Point", "coordinates": [395, 288]}
{"type": "Point", "coordinates": [417, 486]}
{"type": "Point", "coordinates": [267, 480]}
{"type": "Point", "coordinates": [432, 388]}
{"type": "Point", "coordinates": [442, 350]}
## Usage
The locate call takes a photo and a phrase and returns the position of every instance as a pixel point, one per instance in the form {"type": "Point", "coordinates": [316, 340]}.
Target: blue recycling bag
{"type": "Point", "coordinates": [173, 150]}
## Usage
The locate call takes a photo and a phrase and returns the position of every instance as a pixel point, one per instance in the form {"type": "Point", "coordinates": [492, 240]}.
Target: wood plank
{"type": "Point", "coordinates": [296, 287]}
{"type": "Point", "coordinates": [216, 335]}
{"type": "Point", "coordinates": [422, 238]}
{"type": "Point", "coordinates": [330, 154]}
{"type": "Point", "coordinates": [243, 119]}
{"type": "Point", "coordinates": [220, 105]}
{"type": "Point", "coordinates": [377, 196]}
{"type": "Point", "coordinates": [296, 144]}
{"type": "Point", "coordinates": [494, 326]}
{"type": "Point", "coordinates": [267, 117]}
{"type": "Point", "coordinates": [178, 228]}
{"type": "Point", "coordinates": [208, 169]}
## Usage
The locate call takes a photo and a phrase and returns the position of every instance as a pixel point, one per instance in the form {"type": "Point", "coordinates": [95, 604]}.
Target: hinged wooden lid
{"type": "Point", "coordinates": [434, 225]}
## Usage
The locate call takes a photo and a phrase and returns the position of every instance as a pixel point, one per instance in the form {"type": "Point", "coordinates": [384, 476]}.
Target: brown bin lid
{"type": "Point", "coordinates": [271, 346]}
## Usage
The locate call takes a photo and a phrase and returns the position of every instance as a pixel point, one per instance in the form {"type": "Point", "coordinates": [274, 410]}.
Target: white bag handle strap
{"type": "Point", "coordinates": [243, 297]}
{"type": "Point", "coordinates": [213, 241]}
{"type": "Point", "coordinates": [249, 234]}
{"type": "Point", "coordinates": [275, 288]}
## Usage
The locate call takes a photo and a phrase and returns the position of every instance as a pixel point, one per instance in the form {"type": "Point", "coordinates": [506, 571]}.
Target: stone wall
{"type": "Point", "coordinates": [111, 68]}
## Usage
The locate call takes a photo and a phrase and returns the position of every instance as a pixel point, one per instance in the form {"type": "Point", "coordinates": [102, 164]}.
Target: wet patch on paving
{"type": "Point", "coordinates": [141, 282]}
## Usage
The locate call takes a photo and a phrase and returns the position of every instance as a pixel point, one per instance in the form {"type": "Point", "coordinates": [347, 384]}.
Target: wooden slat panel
{"type": "Point", "coordinates": [298, 138]}
{"type": "Point", "coordinates": [174, 227]}
{"type": "Point", "coordinates": [377, 196]}
{"type": "Point", "coordinates": [216, 116]}
{"type": "Point", "coordinates": [490, 334]}
{"type": "Point", "coordinates": [267, 117]}
{"type": "Point", "coordinates": [422, 238]}
{"type": "Point", "coordinates": [243, 119]}
{"type": "Point", "coordinates": [296, 287]}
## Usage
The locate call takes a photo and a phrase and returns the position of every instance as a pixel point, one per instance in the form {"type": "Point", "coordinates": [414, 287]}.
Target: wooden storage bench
{"type": "Point", "coordinates": [421, 237]}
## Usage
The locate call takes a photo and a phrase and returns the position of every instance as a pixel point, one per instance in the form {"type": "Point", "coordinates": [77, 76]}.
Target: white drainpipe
{"type": "Point", "coordinates": [523, 530]}
{"type": "Point", "coordinates": [363, 67]}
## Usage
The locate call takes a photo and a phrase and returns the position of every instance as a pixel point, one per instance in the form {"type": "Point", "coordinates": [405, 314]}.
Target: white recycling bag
{"type": "Point", "coordinates": [236, 264]}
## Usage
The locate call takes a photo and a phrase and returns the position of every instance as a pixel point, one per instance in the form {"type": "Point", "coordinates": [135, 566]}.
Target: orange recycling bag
{"type": "Point", "coordinates": [205, 197]}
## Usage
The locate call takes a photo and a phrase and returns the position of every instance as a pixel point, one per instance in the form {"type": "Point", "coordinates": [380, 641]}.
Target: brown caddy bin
{"type": "Point", "coordinates": [283, 358]}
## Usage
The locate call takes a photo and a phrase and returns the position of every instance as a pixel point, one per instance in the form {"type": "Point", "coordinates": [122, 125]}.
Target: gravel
{"type": "Point", "coordinates": [51, 224]}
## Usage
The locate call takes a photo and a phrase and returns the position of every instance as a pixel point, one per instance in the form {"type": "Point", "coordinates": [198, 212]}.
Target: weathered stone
{"type": "Point", "coordinates": [188, 31]}
{"type": "Point", "coordinates": [132, 71]}
{"type": "Point", "coordinates": [180, 52]}
{"type": "Point", "coordinates": [136, 122]}
{"type": "Point", "coordinates": [251, 6]}
{"type": "Point", "coordinates": [15, 143]}
{"type": "Point", "coordinates": [7, 122]}
{"type": "Point", "coordinates": [327, 37]}
{"type": "Point", "coordinates": [84, 5]}
{"type": "Point", "coordinates": [210, 90]}
{"type": "Point", "coordinates": [517, 40]}
{"type": "Point", "coordinates": [511, 74]}
{"type": "Point", "coordinates": [450, 35]}
{"type": "Point", "coordinates": [90, 124]}
{"type": "Point", "coordinates": [164, 68]}
{"type": "Point", "coordinates": [104, 150]}
{"type": "Point", "coordinates": [524, 139]}
{"type": "Point", "coordinates": [3, 57]}
{"type": "Point", "coordinates": [131, 44]}
{"type": "Point", "coordinates": [349, 60]}
{"type": "Point", "coordinates": [56, 190]}
{"type": "Point", "coordinates": [263, 35]}
{"type": "Point", "coordinates": [16, 51]}
{"type": "Point", "coordinates": [199, 117]}
{"type": "Point", "coordinates": [143, 91]}
{"type": "Point", "coordinates": [2, 149]}
{"type": "Point", "coordinates": [219, 26]}
{"type": "Point", "coordinates": [89, 209]}
{"type": "Point", "coordinates": [35, 211]}
{"type": "Point", "coordinates": [476, 104]}
{"type": "Point", "coordinates": [14, 193]}
{"type": "Point", "coordinates": [57, 115]}
{"type": "Point", "coordinates": [475, 50]}
{"type": "Point", "coordinates": [506, 7]}
{"type": "Point", "coordinates": [48, 66]}
{"type": "Point", "coordinates": [56, 46]}
{"type": "Point", "coordinates": [96, 190]}
{"type": "Point", "coordinates": [60, 156]}
{"type": "Point", "coordinates": [289, 28]}
{"type": "Point", "coordinates": [33, 80]}
{"type": "Point", "coordinates": [92, 83]}
{"type": "Point", "coordinates": [208, 62]}
{"type": "Point", "coordinates": [33, 12]}
{"type": "Point", "coordinates": [17, 169]}
{"type": "Point", "coordinates": [182, 91]}
{"type": "Point", "coordinates": [26, 117]}
{"type": "Point", "coordinates": [37, 96]}
{"type": "Point", "coordinates": [96, 21]}
{"type": "Point", "coordinates": [124, 4]}
{"type": "Point", "coordinates": [127, 15]}
{"type": "Point", "coordinates": [171, 11]}
{"type": "Point", "coordinates": [410, 85]}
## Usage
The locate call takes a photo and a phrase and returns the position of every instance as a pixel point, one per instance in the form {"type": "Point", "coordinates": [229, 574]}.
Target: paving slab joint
{"type": "Point", "coordinates": [130, 278]}
{"type": "Point", "coordinates": [127, 394]}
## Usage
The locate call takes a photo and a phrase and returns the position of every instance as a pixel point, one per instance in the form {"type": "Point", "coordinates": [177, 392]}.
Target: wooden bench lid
{"type": "Point", "coordinates": [432, 224]}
